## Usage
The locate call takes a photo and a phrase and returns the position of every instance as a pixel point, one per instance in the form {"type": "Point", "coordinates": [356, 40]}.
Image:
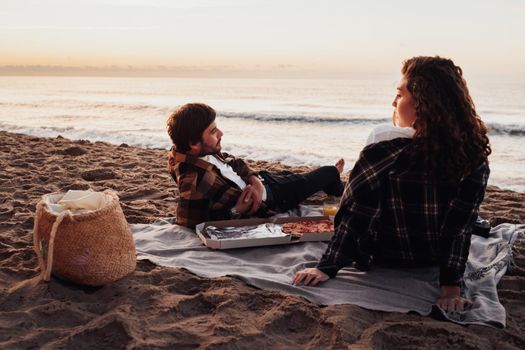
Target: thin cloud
{"type": "Point", "coordinates": [169, 4]}
{"type": "Point", "coordinates": [115, 28]}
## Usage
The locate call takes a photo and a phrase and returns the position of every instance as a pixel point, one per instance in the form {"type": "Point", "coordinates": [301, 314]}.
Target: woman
{"type": "Point", "coordinates": [413, 201]}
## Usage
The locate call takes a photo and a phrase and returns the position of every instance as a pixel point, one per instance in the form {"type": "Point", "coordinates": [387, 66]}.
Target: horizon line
{"type": "Point", "coordinates": [280, 71]}
{"type": "Point", "coordinates": [219, 71]}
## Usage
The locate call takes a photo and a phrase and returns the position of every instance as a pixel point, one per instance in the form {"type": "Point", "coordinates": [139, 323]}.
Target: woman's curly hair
{"type": "Point", "coordinates": [451, 139]}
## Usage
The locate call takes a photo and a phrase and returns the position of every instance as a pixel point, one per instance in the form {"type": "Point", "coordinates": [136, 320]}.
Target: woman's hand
{"type": "Point", "coordinates": [310, 277]}
{"type": "Point", "coordinates": [450, 299]}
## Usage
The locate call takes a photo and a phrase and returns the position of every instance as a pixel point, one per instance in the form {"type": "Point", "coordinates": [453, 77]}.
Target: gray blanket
{"type": "Point", "coordinates": [401, 290]}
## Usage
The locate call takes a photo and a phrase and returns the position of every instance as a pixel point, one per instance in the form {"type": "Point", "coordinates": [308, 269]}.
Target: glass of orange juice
{"type": "Point", "coordinates": [330, 207]}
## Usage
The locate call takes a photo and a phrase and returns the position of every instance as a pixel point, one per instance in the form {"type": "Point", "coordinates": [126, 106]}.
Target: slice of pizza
{"type": "Point", "coordinates": [298, 228]}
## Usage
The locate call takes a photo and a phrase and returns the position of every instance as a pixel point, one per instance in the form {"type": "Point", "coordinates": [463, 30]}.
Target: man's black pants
{"type": "Point", "coordinates": [286, 190]}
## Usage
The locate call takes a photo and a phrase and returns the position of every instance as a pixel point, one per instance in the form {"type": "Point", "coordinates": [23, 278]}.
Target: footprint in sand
{"type": "Point", "coordinates": [99, 174]}
{"type": "Point", "coordinates": [142, 194]}
{"type": "Point", "coordinates": [74, 151]}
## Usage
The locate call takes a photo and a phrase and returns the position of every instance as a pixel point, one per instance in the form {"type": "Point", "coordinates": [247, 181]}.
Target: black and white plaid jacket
{"type": "Point", "coordinates": [392, 211]}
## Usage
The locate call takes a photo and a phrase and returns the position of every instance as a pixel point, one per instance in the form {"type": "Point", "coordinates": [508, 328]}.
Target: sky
{"type": "Point", "coordinates": [326, 38]}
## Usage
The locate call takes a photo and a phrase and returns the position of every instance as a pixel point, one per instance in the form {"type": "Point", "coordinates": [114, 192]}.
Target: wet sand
{"type": "Point", "coordinates": [159, 307]}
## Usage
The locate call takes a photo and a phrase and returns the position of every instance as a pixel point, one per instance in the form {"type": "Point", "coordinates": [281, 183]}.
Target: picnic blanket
{"type": "Point", "coordinates": [400, 290]}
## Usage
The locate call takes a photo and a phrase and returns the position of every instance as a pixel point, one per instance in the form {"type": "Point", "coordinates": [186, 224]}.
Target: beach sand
{"type": "Point", "coordinates": [159, 307]}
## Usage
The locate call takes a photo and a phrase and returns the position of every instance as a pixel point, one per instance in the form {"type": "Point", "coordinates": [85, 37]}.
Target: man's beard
{"type": "Point", "coordinates": [207, 149]}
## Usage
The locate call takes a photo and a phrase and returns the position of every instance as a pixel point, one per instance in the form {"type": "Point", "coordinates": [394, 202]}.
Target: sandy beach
{"type": "Point", "coordinates": [159, 307]}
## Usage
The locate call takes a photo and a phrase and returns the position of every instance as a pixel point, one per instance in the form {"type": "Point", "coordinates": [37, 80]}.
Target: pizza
{"type": "Point", "coordinates": [297, 228]}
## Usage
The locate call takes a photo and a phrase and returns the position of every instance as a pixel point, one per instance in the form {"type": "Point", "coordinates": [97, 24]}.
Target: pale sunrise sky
{"type": "Point", "coordinates": [330, 37]}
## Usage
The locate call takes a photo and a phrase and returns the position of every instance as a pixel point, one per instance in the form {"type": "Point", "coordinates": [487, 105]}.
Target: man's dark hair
{"type": "Point", "coordinates": [187, 123]}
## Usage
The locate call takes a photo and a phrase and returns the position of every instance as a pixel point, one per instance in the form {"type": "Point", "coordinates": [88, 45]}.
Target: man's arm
{"type": "Point", "coordinates": [239, 166]}
{"type": "Point", "coordinates": [198, 194]}
{"type": "Point", "coordinates": [457, 226]}
{"type": "Point", "coordinates": [249, 176]}
{"type": "Point", "coordinates": [258, 189]}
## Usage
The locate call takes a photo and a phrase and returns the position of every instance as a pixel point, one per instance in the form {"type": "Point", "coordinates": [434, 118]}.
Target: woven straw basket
{"type": "Point", "coordinates": [94, 248]}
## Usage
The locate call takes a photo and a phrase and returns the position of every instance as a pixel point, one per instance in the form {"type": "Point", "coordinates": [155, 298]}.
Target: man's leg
{"type": "Point", "coordinates": [291, 189]}
{"type": "Point", "coordinates": [326, 179]}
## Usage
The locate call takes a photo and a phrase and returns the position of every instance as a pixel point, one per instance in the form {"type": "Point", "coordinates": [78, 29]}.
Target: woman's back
{"type": "Point", "coordinates": [415, 201]}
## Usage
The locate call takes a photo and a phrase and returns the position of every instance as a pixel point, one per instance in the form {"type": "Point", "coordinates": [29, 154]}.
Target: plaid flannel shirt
{"type": "Point", "coordinates": [393, 211]}
{"type": "Point", "coordinates": [204, 194]}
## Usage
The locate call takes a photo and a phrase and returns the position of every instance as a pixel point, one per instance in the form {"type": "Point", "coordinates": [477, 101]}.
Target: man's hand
{"type": "Point", "coordinates": [258, 189]}
{"type": "Point", "coordinates": [450, 299]}
{"type": "Point", "coordinates": [245, 200]}
{"type": "Point", "coordinates": [310, 277]}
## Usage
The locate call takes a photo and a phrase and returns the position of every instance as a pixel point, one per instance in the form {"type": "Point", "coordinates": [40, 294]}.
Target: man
{"type": "Point", "coordinates": [217, 186]}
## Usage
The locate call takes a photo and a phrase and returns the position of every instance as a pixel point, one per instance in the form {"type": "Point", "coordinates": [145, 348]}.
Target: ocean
{"type": "Point", "coordinates": [294, 121]}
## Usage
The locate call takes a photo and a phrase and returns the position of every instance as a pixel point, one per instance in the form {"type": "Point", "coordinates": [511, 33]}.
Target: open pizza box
{"type": "Point", "coordinates": [227, 234]}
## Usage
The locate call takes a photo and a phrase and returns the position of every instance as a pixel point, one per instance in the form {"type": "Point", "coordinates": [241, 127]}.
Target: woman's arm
{"type": "Point", "coordinates": [359, 210]}
{"type": "Point", "coordinates": [455, 238]}
{"type": "Point", "coordinates": [354, 219]}
{"type": "Point", "coordinates": [457, 226]}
